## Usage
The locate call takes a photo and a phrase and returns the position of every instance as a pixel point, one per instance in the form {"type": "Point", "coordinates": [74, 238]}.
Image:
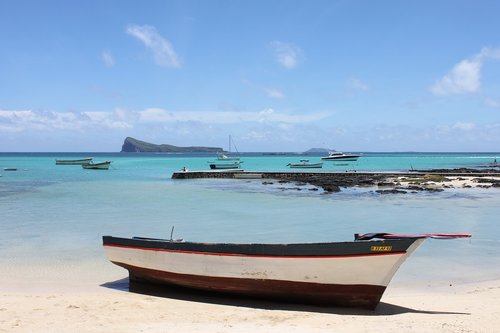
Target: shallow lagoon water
{"type": "Point", "coordinates": [53, 217]}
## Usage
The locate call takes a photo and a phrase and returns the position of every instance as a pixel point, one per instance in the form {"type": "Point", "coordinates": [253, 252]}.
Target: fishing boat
{"type": "Point", "coordinates": [225, 166]}
{"type": "Point", "coordinates": [227, 156]}
{"type": "Point", "coordinates": [353, 274]}
{"type": "Point", "coordinates": [97, 166]}
{"type": "Point", "coordinates": [304, 164]}
{"type": "Point", "coordinates": [337, 155]}
{"type": "Point", "coordinates": [74, 162]}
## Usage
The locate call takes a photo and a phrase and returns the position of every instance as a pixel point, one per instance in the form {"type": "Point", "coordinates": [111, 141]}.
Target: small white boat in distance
{"type": "Point", "coordinates": [97, 166]}
{"type": "Point", "coordinates": [304, 164]}
{"type": "Point", "coordinates": [74, 162]}
{"type": "Point", "coordinates": [337, 155]}
{"type": "Point", "coordinates": [232, 165]}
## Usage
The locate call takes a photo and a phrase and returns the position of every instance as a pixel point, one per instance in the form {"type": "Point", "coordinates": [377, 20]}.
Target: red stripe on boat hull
{"type": "Point", "coordinates": [362, 296]}
{"type": "Point", "coordinates": [222, 254]}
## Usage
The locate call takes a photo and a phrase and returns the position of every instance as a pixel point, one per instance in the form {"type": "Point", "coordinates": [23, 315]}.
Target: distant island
{"type": "Point", "coordinates": [132, 145]}
{"type": "Point", "coordinates": [318, 151]}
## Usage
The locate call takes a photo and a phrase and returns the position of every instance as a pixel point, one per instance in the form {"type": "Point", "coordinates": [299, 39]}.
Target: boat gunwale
{"type": "Point", "coordinates": [297, 250]}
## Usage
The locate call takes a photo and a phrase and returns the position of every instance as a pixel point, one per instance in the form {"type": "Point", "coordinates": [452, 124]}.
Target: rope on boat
{"type": "Point", "coordinates": [382, 235]}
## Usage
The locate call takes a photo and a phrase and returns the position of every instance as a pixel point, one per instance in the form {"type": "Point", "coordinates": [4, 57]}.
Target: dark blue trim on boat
{"type": "Point", "coordinates": [299, 249]}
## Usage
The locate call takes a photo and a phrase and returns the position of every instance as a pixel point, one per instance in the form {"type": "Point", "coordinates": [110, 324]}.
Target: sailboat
{"type": "Point", "coordinates": [227, 157]}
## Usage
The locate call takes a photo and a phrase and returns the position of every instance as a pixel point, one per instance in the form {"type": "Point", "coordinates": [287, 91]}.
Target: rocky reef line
{"type": "Point", "coordinates": [433, 180]}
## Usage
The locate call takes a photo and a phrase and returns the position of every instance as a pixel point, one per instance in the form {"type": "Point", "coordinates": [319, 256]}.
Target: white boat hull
{"type": "Point", "coordinates": [306, 166]}
{"type": "Point", "coordinates": [371, 270]}
{"type": "Point", "coordinates": [338, 156]}
{"type": "Point", "coordinates": [222, 166]}
{"type": "Point", "coordinates": [348, 280]}
{"type": "Point", "coordinates": [74, 162]}
{"type": "Point", "coordinates": [341, 158]}
{"type": "Point", "coordinates": [97, 166]}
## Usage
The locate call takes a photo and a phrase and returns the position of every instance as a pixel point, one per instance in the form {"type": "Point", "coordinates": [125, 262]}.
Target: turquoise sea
{"type": "Point", "coordinates": [52, 217]}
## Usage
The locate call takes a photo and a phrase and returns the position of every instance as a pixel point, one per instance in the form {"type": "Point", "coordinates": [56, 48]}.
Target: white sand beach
{"type": "Point", "coordinates": [450, 181]}
{"type": "Point", "coordinates": [91, 305]}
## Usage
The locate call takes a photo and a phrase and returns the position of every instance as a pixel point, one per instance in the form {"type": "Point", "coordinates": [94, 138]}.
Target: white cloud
{"type": "Point", "coordinates": [227, 117]}
{"type": "Point", "coordinates": [50, 120]}
{"type": "Point", "coordinates": [111, 120]}
{"type": "Point", "coordinates": [465, 76]}
{"type": "Point", "coordinates": [275, 93]}
{"type": "Point", "coordinates": [108, 59]}
{"type": "Point", "coordinates": [464, 126]}
{"type": "Point", "coordinates": [489, 53]}
{"type": "Point", "coordinates": [492, 103]}
{"type": "Point", "coordinates": [287, 55]}
{"type": "Point", "coordinates": [162, 49]}
{"type": "Point", "coordinates": [14, 121]}
{"type": "Point", "coordinates": [355, 84]}
{"type": "Point", "coordinates": [256, 135]}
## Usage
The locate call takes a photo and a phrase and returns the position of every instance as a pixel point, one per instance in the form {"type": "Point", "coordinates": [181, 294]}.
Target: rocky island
{"type": "Point", "coordinates": [132, 145]}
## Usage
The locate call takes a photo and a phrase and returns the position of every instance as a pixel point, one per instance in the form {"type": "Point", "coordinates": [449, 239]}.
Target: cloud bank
{"type": "Point", "coordinates": [275, 93]}
{"type": "Point", "coordinates": [21, 120]}
{"type": "Point", "coordinates": [264, 130]}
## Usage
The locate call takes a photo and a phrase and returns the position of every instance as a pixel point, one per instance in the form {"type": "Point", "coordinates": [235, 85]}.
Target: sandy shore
{"type": "Point", "coordinates": [451, 181]}
{"type": "Point", "coordinates": [109, 307]}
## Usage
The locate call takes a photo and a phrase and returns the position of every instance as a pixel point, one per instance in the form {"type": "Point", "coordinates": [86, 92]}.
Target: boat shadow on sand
{"type": "Point", "coordinates": [186, 294]}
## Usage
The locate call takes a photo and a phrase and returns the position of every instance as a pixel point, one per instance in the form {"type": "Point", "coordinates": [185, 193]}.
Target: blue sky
{"type": "Point", "coordinates": [276, 75]}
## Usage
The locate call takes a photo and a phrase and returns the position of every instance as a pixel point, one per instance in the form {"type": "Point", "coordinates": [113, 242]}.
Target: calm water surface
{"type": "Point", "coordinates": [54, 216]}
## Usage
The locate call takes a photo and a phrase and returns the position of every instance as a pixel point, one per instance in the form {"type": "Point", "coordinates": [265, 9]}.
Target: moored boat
{"type": "Point", "coordinates": [225, 166]}
{"type": "Point", "coordinates": [74, 162]}
{"type": "Point", "coordinates": [97, 166]}
{"type": "Point", "coordinates": [353, 274]}
{"type": "Point", "coordinates": [304, 164]}
{"type": "Point", "coordinates": [337, 155]}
